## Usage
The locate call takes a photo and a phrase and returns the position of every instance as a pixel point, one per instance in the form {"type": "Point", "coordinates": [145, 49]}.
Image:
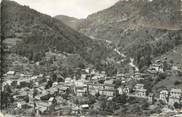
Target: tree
{"type": "Point", "coordinates": [177, 82]}
{"type": "Point", "coordinates": [102, 101]}
{"type": "Point", "coordinates": [103, 105]}
{"type": "Point", "coordinates": [54, 77]}
{"type": "Point", "coordinates": [145, 105]}
{"type": "Point", "coordinates": [176, 105]}
{"type": "Point", "coordinates": [117, 83]}
{"type": "Point", "coordinates": [97, 94]}
{"type": "Point", "coordinates": [76, 101]}
{"type": "Point", "coordinates": [122, 99]}
{"type": "Point", "coordinates": [111, 106]}
{"type": "Point", "coordinates": [161, 76]}
{"type": "Point", "coordinates": [92, 99]}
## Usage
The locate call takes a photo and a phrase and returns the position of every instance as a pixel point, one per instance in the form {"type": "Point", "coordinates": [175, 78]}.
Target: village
{"type": "Point", "coordinates": [78, 95]}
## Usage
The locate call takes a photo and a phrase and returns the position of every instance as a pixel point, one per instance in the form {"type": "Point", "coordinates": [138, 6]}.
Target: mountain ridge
{"type": "Point", "coordinates": [70, 21]}
{"type": "Point", "coordinates": [135, 26]}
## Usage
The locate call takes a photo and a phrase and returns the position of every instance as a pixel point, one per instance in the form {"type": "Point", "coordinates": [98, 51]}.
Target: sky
{"type": "Point", "coordinates": [74, 8]}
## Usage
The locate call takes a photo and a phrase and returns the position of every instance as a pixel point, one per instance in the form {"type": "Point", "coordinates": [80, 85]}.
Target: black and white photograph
{"type": "Point", "coordinates": [91, 58]}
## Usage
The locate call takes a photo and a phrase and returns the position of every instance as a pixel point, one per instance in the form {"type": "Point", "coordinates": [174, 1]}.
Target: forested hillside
{"type": "Point", "coordinates": [31, 34]}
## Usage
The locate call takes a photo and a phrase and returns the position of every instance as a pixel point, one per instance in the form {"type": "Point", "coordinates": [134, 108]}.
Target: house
{"type": "Point", "coordinates": [79, 83]}
{"type": "Point", "coordinates": [164, 95]}
{"type": "Point", "coordinates": [61, 87]}
{"type": "Point", "coordinates": [154, 68]}
{"type": "Point", "coordinates": [151, 98]}
{"type": "Point", "coordinates": [75, 110]}
{"type": "Point", "coordinates": [174, 68]}
{"type": "Point", "coordinates": [175, 96]}
{"type": "Point", "coordinates": [123, 90]}
{"type": "Point", "coordinates": [103, 72]}
{"type": "Point", "coordinates": [80, 88]}
{"type": "Point", "coordinates": [85, 106]}
{"type": "Point", "coordinates": [93, 92]}
{"type": "Point", "coordinates": [93, 71]}
{"type": "Point", "coordinates": [87, 70]}
{"type": "Point", "coordinates": [83, 76]}
{"type": "Point", "coordinates": [111, 81]}
{"type": "Point", "coordinates": [68, 80]}
{"type": "Point", "coordinates": [80, 91]}
{"type": "Point", "coordinates": [94, 88]}
{"type": "Point", "coordinates": [98, 77]}
{"type": "Point", "coordinates": [50, 100]}
{"type": "Point", "coordinates": [120, 90]}
{"type": "Point", "coordinates": [11, 74]}
{"type": "Point", "coordinates": [120, 76]}
{"type": "Point", "coordinates": [109, 86]}
{"type": "Point", "coordinates": [140, 91]}
{"type": "Point", "coordinates": [138, 76]}
{"type": "Point", "coordinates": [95, 78]}
{"type": "Point", "coordinates": [139, 86]}
{"type": "Point", "coordinates": [126, 90]}
{"type": "Point", "coordinates": [108, 93]}
{"type": "Point", "coordinates": [33, 78]}
{"type": "Point", "coordinates": [102, 75]}
{"type": "Point", "coordinates": [53, 90]}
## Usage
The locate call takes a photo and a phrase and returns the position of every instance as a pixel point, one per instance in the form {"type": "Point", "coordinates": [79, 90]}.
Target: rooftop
{"type": "Point", "coordinates": [10, 73]}
{"type": "Point", "coordinates": [164, 91]}
{"type": "Point", "coordinates": [109, 81]}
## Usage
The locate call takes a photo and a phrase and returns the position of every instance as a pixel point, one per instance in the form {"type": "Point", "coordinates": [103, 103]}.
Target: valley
{"type": "Point", "coordinates": [125, 60]}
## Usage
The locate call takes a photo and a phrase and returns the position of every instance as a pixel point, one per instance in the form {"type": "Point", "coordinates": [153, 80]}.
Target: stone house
{"type": "Point", "coordinates": [83, 76]}
{"type": "Point", "coordinates": [80, 91]}
{"type": "Point", "coordinates": [94, 88]}
{"type": "Point", "coordinates": [108, 93]}
{"type": "Point", "coordinates": [120, 90]}
{"type": "Point", "coordinates": [140, 91]}
{"type": "Point", "coordinates": [68, 80]}
{"type": "Point", "coordinates": [92, 92]}
{"type": "Point", "coordinates": [164, 95]}
{"type": "Point", "coordinates": [139, 86]}
{"type": "Point", "coordinates": [109, 86]}
{"type": "Point", "coordinates": [154, 68]}
{"type": "Point", "coordinates": [10, 73]}
{"type": "Point", "coordinates": [123, 90]}
{"type": "Point", "coordinates": [80, 88]}
{"type": "Point", "coordinates": [109, 82]}
{"type": "Point", "coordinates": [151, 98]}
{"type": "Point", "coordinates": [100, 88]}
{"type": "Point", "coordinates": [175, 96]}
{"type": "Point", "coordinates": [138, 76]}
